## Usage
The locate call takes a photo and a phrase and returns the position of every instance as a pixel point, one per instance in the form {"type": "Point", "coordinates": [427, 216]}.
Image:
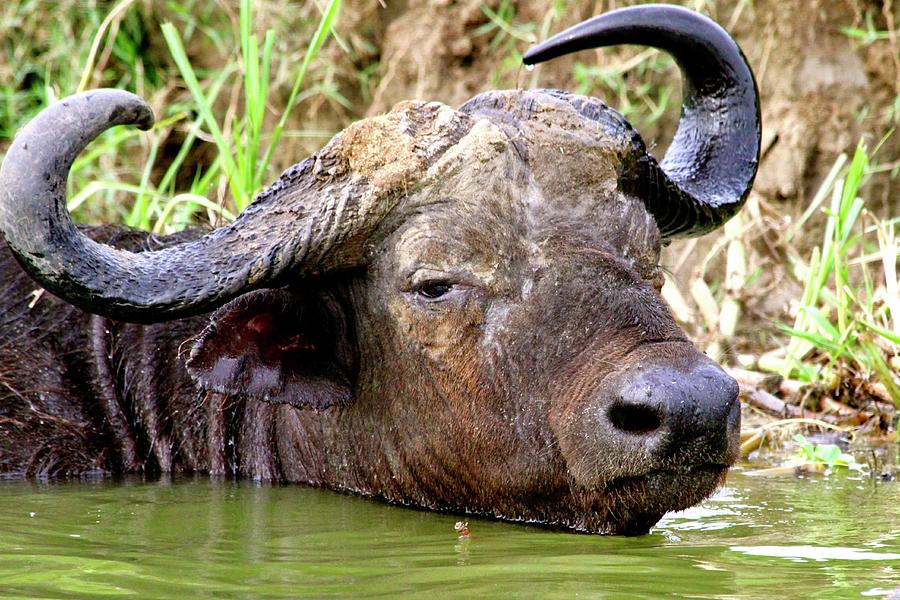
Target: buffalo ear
{"type": "Point", "coordinates": [278, 346]}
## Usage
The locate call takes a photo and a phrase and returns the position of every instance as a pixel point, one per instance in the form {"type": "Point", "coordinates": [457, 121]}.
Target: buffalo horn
{"type": "Point", "coordinates": [707, 172]}
{"type": "Point", "coordinates": [174, 282]}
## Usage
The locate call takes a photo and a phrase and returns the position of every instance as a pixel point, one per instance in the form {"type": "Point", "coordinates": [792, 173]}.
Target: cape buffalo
{"type": "Point", "coordinates": [451, 309]}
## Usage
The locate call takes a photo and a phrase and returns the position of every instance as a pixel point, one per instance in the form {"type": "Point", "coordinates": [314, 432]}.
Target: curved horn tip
{"type": "Point", "coordinates": [181, 280]}
{"type": "Point", "coordinates": [33, 216]}
{"type": "Point", "coordinates": [707, 172]}
{"type": "Point", "coordinates": [124, 108]}
{"type": "Point", "coordinates": [620, 26]}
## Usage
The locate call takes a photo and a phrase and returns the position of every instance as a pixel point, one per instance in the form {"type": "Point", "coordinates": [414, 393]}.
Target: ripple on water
{"type": "Point", "coordinates": [773, 538]}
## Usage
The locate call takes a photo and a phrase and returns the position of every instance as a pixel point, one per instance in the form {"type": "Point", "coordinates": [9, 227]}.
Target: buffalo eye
{"type": "Point", "coordinates": [432, 290]}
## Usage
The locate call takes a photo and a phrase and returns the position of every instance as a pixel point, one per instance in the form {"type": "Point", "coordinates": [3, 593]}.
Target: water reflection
{"type": "Point", "coordinates": [817, 553]}
{"type": "Point", "coordinates": [221, 539]}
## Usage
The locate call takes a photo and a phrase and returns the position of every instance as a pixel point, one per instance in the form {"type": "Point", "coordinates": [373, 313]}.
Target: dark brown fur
{"type": "Point", "coordinates": [488, 401]}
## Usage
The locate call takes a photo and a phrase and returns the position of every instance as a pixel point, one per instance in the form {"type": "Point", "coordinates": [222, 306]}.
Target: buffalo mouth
{"type": "Point", "coordinates": [639, 502]}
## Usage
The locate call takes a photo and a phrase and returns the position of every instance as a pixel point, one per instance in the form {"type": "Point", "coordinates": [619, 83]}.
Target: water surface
{"type": "Point", "coordinates": [196, 538]}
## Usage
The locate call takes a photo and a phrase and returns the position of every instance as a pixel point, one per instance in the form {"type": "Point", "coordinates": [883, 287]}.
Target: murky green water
{"type": "Point", "coordinates": [759, 538]}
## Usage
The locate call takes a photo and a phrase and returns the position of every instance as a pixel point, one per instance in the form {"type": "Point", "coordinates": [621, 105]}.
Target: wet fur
{"type": "Point", "coordinates": [487, 402]}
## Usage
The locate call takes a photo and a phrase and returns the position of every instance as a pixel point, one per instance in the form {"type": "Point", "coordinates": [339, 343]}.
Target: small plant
{"type": "Point", "coordinates": [500, 24]}
{"type": "Point", "coordinates": [847, 317]}
{"type": "Point", "coordinates": [642, 103]}
{"type": "Point", "coordinates": [506, 36]}
{"type": "Point", "coordinates": [39, 55]}
{"type": "Point", "coordinates": [241, 158]}
{"type": "Point", "coordinates": [639, 84]}
{"type": "Point", "coordinates": [867, 35]}
{"type": "Point", "coordinates": [829, 456]}
{"type": "Point", "coordinates": [116, 55]}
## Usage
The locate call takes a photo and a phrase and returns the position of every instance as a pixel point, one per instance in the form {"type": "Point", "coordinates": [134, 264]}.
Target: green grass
{"type": "Point", "coordinates": [848, 320]}
{"type": "Point", "coordinates": [507, 37]}
{"type": "Point", "coordinates": [869, 33]}
{"type": "Point", "coordinates": [39, 57]}
{"type": "Point", "coordinates": [240, 155]}
{"type": "Point", "coordinates": [502, 27]}
{"type": "Point", "coordinates": [635, 86]}
{"type": "Point", "coordinates": [160, 180]}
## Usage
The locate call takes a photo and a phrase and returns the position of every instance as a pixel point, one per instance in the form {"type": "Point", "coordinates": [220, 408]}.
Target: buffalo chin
{"type": "Point", "coordinates": [637, 503]}
{"type": "Point", "coordinates": [628, 506]}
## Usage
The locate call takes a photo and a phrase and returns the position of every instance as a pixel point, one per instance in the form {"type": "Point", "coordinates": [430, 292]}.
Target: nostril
{"type": "Point", "coordinates": [634, 418]}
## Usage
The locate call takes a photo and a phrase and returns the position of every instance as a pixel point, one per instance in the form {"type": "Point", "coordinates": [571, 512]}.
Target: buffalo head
{"type": "Point", "coordinates": [455, 309]}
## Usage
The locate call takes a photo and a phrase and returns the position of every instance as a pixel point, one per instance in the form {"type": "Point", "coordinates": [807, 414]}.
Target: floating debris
{"type": "Point", "coordinates": [462, 529]}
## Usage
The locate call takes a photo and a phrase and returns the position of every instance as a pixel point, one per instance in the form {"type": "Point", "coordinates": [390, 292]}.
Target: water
{"type": "Point", "coordinates": [758, 538]}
